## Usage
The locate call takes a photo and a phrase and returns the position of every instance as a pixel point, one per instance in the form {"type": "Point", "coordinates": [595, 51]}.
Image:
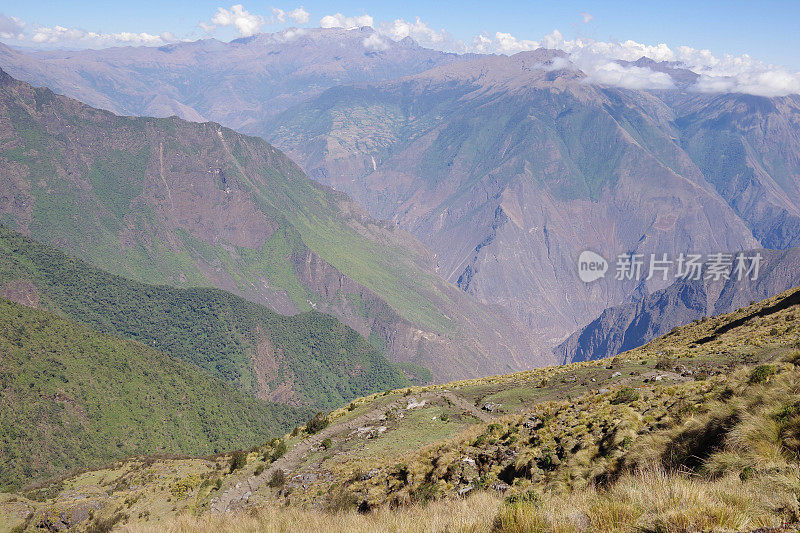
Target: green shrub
{"type": "Point", "coordinates": [626, 395]}
{"type": "Point", "coordinates": [238, 460]}
{"type": "Point", "coordinates": [340, 499]}
{"type": "Point", "coordinates": [278, 479]}
{"type": "Point", "coordinates": [317, 423]}
{"type": "Point", "coordinates": [276, 450]}
{"type": "Point", "coordinates": [327, 443]}
{"type": "Point", "coordinates": [762, 373]}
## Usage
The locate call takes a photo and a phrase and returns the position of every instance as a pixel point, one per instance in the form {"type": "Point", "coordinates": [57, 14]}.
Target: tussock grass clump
{"type": "Point", "coordinates": [762, 373]}
{"type": "Point", "coordinates": [474, 514]}
{"type": "Point", "coordinates": [626, 395]}
{"type": "Point", "coordinates": [654, 500]}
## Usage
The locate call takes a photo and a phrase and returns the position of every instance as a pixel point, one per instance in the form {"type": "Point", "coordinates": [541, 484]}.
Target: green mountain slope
{"type": "Point", "coordinates": [696, 431]}
{"type": "Point", "coordinates": [72, 398]}
{"type": "Point", "coordinates": [171, 202]}
{"type": "Point", "coordinates": [307, 359]}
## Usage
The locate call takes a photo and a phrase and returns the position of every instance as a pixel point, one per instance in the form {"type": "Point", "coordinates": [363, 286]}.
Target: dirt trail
{"type": "Point", "coordinates": [464, 404]}
{"type": "Point", "coordinates": [291, 461]}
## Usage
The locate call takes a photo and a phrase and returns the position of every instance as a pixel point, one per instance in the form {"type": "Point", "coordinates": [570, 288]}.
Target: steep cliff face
{"type": "Point", "coordinates": [748, 148]}
{"type": "Point", "coordinates": [508, 168]}
{"type": "Point", "coordinates": [185, 204]}
{"type": "Point", "coordinates": [625, 327]}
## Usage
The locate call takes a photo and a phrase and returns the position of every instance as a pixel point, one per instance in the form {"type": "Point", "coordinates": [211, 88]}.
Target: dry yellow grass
{"type": "Point", "coordinates": [475, 514]}
{"type": "Point", "coordinates": [650, 500]}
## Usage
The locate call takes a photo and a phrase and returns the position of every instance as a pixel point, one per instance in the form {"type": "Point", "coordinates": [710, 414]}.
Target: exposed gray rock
{"type": "Point", "coordinates": [629, 326]}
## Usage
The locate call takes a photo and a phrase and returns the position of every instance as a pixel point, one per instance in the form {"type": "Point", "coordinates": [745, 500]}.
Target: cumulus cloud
{"type": "Point", "coordinates": [11, 27]}
{"type": "Point", "coordinates": [290, 34]}
{"type": "Point", "coordinates": [600, 61]}
{"type": "Point", "coordinates": [246, 23]}
{"type": "Point", "coordinates": [482, 44]}
{"type": "Point", "coordinates": [508, 44]}
{"type": "Point", "coordinates": [417, 30]}
{"type": "Point", "coordinates": [60, 34]}
{"type": "Point", "coordinates": [376, 42]}
{"type": "Point", "coordinates": [298, 15]}
{"type": "Point", "coordinates": [340, 21]}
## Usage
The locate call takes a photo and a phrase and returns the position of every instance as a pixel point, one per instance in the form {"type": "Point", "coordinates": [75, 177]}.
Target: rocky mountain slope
{"type": "Point", "coordinates": [506, 167]}
{"type": "Point", "coordinates": [509, 167]}
{"type": "Point", "coordinates": [628, 326]}
{"type": "Point", "coordinates": [185, 204]}
{"type": "Point", "coordinates": [696, 430]}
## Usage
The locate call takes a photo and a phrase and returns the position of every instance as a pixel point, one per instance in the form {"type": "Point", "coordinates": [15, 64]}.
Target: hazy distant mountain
{"type": "Point", "coordinates": [631, 325]}
{"type": "Point", "coordinates": [240, 84]}
{"type": "Point", "coordinates": [171, 202]}
{"type": "Point", "coordinates": [506, 167]}
{"type": "Point", "coordinates": [509, 167]}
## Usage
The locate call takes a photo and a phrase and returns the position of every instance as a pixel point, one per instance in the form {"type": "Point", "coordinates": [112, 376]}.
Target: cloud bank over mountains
{"type": "Point", "coordinates": [606, 63]}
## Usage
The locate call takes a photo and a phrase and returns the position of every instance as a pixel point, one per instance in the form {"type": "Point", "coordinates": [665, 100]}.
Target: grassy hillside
{"type": "Point", "coordinates": [74, 398]}
{"type": "Point", "coordinates": [308, 359]}
{"type": "Point", "coordinates": [165, 201]}
{"type": "Point", "coordinates": [696, 431]}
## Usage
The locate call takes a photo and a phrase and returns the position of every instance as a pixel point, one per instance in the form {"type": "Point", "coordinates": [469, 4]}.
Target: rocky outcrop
{"type": "Point", "coordinates": [625, 327]}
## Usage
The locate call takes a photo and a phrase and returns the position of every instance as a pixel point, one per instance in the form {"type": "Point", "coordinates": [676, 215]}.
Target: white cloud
{"type": "Point", "coordinates": [375, 42]}
{"type": "Point", "coordinates": [629, 77]}
{"type": "Point", "coordinates": [60, 34]}
{"type": "Point", "coordinates": [340, 21]}
{"type": "Point", "coordinates": [11, 27]}
{"type": "Point", "coordinates": [417, 30]}
{"type": "Point", "coordinates": [508, 44]}
{"type": "Point", "coordinates": [482, 44]}
{"type": "Point", "coordinates": [290, 34]}
{"type": "Point", "coordinates": [298, 15]}
{"type": "Point", "coordinates": [246, 23]}
{"type": "Point", "coordinates": [587, 17]}
{"type": "Point", "coordinates": [600, 62]}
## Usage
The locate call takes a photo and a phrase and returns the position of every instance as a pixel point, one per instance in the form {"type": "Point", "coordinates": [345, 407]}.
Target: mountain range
{"type": "Point", "coordinates": [509, 167]}
{"type": "Point", "coordinates": [241, 84]}
{"type": "Point", "coordinates": [506, 168]}
{"type": "Point", "coordinates": [173, 202]}
{"type": "Point", "coordinates": [321, 269]}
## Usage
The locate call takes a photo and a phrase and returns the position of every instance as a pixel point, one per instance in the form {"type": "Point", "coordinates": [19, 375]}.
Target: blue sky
{"type": "Point", "coordinates": [766, 30]}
